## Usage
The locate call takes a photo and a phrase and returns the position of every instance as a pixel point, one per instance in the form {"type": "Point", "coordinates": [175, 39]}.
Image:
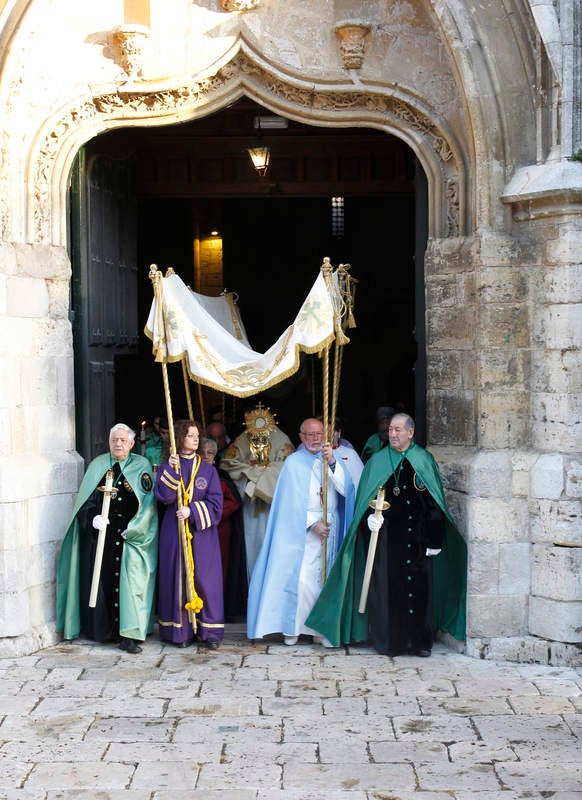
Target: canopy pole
{"type": "Point", "coordinates": [185, 541]}
{"type": "Point", "coordinates": [187, 390]}
{"type": "Point", "coordinates": [325, 387]}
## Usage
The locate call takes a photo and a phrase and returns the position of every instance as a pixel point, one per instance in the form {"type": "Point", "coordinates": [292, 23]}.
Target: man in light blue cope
{"type": "Point", "coordinates": [286, 580]}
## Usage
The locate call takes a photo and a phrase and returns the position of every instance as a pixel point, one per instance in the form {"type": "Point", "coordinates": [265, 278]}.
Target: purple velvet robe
{"type": "Point", "coordinates": [205, 512]}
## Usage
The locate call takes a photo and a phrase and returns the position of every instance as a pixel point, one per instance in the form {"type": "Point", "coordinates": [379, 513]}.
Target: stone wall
{"type": "Point", "coordinates": [39, 468]}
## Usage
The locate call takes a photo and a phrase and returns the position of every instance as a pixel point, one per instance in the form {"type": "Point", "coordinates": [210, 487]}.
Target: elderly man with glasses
{"type": "Point", "coordinates": [287, 577]}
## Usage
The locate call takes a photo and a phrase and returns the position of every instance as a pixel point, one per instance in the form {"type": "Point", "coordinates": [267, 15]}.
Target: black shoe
{"type": "Point", "coordinates": [129, 645]}
{"type": "Point", "coordinates": [187, 643]}
{"type": "Point", "coordinates": [212, 644]}
{"type": "Point", "coordinates": [422, 653]}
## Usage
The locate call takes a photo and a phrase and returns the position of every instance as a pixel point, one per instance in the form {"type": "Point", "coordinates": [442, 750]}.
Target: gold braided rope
{"type": "Point", "coordinates": [186, 545]}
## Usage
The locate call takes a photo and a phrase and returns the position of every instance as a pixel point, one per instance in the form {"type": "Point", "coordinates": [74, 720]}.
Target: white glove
{"type": "Point", "coordinates": [430, 552]}
{"type": "Point", "coordinates": [123, 534]}
{"type": "Point", "coordinates": [374, 524]}
{"type": "Point", "coordinates": [100, 523]}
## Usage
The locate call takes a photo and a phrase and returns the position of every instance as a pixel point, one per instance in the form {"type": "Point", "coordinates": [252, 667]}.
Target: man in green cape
{"type": "Point", "coordinates": [418, 583]}
{"type": "Point", "coordinates": [124, 601]}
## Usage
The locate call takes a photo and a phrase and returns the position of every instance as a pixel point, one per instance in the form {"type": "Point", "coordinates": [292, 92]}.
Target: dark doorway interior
{"type": "Point", "coordinates": [275, 234]}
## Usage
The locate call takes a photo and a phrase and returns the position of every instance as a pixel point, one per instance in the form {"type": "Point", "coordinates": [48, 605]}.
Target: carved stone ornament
{"type": "Point", "coordinates": [186, 99]}
{"type": "Point", "coordinates": [239, 5]}
{"type": "Point", "coordinates": [129, 43]}
{"type": "Point", "coordinates": [352, 35]}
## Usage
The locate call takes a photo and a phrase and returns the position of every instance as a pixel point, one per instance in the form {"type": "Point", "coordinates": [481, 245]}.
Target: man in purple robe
{"type": "Point", "coordinates": [200, 513]}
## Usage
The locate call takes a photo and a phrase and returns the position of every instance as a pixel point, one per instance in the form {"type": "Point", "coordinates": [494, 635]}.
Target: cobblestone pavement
{"type": "Point", "coordinates": [258, 721]}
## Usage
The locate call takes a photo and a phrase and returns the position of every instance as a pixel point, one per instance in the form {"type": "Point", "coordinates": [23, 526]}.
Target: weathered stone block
{"type": "Point", "coordinates": [559, 327]}
{"type": "Point", "coordinates": [38, 376]}
{"type": "Point", "coordinates": [504, 325]}
{"type": "Point", "coordinates": [13, 528]}
{"type": "Point", "coordinates": [492, 519]}
{"type": "Point", "coordinates": [556, 521]}
{"type": "Point", "coordinates": [522, 463]}
{"type": "Point", "coordinates": [490, 474]}
{"type": "Point", "coordinates": [14, 616]}
{"type": "Point", "coordinates": [502, 368]}
{"type": "Point", "coordinates": [23, 476]}
{"type": "Point", "coordinates": [444, 370]}
{"type": "Point", "coordinates": [5, 438]}
{"type": "Point", "coordinates": [65, 382]}
{"type": "Point", "coordinates": [564, 284]}
{"type": "Point", "coordinates": [442, 292]}
{"type": "Point", "coordinates": [451, 328]}
{"type": "Point", "coordinates": [53, 337]}
{"type": "Point", "coordinates": [452, 255]}
{"type": "Point", "coordinates": [497, 615]}
{"type": "Point", "coordinates": [502, 285]}
{"type": "Point", "coordinates": [11, 394]}
{"type": "Point", "coordinates": [503, 420]}
{"type": "Point", "coordinates": [27, 297]}
{"type": "Point", "coordinates": [557, 436]}
{"type": "Point", "coordinates": [19, 332]}
{"type": "Point", "coordinates": [556, 370]}
{"type": "Point", "coordinates": [42, 261]}
{"type": "Point", "coordinates": [59, 301]}
{"type": "Point", "coordinates": [13, 568]}
{"type": "Point", "coordinates": [555, 619]}
{"type": "Point", "coordinates": [48, 517]}
{"type": "Point", "coordinates": [455, 466]}
{"type": "Point", "coordinates": [566, 248]}
{"type": "Point", "coordinates": [55, 438]}
{"type": "Point", "coordinates": [451, 418]}
{"type": "Point", "coordinates": [483, 568]}
{"type": "Point", "coordinates": [42, 603]}
{"type": "Point", "coordinates": [498, 250]}
{"type": "Point", "coordinates": [557, 572]}
{"type": "Point", "coordinates": [514, 568]}
{"type": "Point", "coordinates": [8, 264]}
{"type": "Point", "coordinates": [547, 477]}
{"type": "Point", "coordinates": [574, 479]}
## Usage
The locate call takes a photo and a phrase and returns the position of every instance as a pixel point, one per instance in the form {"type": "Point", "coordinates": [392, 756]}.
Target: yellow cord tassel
{"type": "Point", "coordinates": [196, 603]}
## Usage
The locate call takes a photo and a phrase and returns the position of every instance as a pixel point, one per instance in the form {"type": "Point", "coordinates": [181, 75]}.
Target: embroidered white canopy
{"type": "Point", "coordinates": [181, 328]}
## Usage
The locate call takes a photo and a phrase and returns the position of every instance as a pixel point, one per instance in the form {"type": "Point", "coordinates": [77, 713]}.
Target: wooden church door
{"type": "Point", "coordinates": [103, 251]}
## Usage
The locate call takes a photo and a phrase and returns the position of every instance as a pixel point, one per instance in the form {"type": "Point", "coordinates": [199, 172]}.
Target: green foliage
{"type": "Point", "coordinates": [577, 156]}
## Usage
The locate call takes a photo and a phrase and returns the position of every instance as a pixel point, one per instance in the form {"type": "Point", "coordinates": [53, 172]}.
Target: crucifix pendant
{"type": "Point", "coordinates": [396, 491]}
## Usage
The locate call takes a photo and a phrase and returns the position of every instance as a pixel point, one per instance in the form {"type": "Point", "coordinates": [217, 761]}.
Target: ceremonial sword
{"type": "Point", "coordinates": [379, 505]}
{"type": "Point", "coordinates": [108, 493]}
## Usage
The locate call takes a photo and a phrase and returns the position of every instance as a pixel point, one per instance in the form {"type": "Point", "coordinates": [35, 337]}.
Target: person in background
{"type": "Point", "coordinates": [217, 432]}
{"type": "Point", "coordinates": [254, 461]}
{"type": "Point", "coordinates": [200, 512]}
{"type": "Point", "coordinates": [124, 604]}
{"type": "Point", "coordinates": [379, 439]}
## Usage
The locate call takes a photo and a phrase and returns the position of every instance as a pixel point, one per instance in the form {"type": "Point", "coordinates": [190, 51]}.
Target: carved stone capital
{"type": "Point", "coordinates": [352, 35]}
{"type": "Point", "coordinates": [239, 5]}
{"type": "Point", "coordinates": [128, 43]}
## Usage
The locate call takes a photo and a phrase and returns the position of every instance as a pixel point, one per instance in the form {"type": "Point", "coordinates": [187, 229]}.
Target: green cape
{"type": "Point", "coordinates": [138, 562]}
{"type": "Point", "coordinates": [336, 615]}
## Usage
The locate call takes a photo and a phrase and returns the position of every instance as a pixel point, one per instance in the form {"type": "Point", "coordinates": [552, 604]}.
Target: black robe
{"type": "Point", "coordinates": [102, 622]}
{"type": "Point", "coordinates": [399, 604]}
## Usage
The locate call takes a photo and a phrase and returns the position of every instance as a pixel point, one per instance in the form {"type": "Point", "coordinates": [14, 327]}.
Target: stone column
{"type": "Point", "coordinates": [39, 470]}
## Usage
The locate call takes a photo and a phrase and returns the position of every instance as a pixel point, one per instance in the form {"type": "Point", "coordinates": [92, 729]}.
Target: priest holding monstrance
{"type": "Point", "coordinates": [254, 461]}
{"type": "Point", "coordinates": [401, 572]}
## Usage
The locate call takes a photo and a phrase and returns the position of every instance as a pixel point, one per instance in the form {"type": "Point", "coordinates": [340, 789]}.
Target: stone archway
{"type": "Point", "coordinates": [398, 113]}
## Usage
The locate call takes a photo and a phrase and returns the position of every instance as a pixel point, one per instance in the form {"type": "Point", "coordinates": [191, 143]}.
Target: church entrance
{"type": "Point", "coordinates": [173, 195]}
